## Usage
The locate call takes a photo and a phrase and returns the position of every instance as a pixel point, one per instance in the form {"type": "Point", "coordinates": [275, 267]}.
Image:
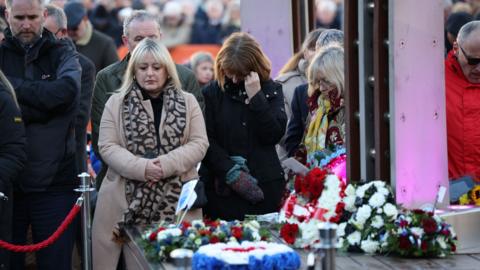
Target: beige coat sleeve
{"type": "Point", "coordinates": [111, 148]}
{"type": "Point", "coordinates": [187, 156]}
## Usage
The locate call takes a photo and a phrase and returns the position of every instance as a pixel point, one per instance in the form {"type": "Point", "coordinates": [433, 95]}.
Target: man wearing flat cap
{"type": "Point", "coordinates": [95, 45]}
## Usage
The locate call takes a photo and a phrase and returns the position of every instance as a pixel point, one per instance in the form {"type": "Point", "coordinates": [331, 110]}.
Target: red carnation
{"type": "Point", "coordinates": [214, 239]}
{"type": "Point", "coordinates": [424, 246]}
{"type": "Point", "coordinates": [289, 232]}
{"type": "Point", "coordinates": [445, 232]}
{"type": "Point", "coordinates": [429, 225]}
{"type": "Point", "coordinates": [212, 223]}
{"type": "Point", "coordinates": [153, 236]}
{"type": "Point", "coordinates": [186, 225]}
{"type": "Point", "coordinates": [237, 232]}
{"type": "Point", "coordinates": [453, 247]}
{"type": "Point", "coordinates": [339, 208]}
{"type": "Point", "coordinates": [418, 211]}
{"type": "Point", "coordinates": [403, 223]}
{"type": "Point", "coordinates": [298, 183]}
{"type": "Point", "coordinates": [404, 243]}
{"type": "Point", "coordinates": [313, 182]}
{"type": "Point", "coordinates": [204, 232]}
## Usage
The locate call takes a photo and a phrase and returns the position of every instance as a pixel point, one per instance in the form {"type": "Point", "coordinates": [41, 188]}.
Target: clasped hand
{"type": "Point", "coordinates": [153, 170]}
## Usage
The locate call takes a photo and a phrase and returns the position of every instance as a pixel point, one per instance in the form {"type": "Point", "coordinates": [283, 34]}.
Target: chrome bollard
{"type": "Point", "coordinates": [182, 258]}
{"type": "Point", "coordinates": [328, 244]}
{"type": "Point", "coordinates": [85, 189]}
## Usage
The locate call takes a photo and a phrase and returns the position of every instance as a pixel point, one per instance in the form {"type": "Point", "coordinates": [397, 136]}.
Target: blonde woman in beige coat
{"type": "Point", "coordinates": [152, 135]}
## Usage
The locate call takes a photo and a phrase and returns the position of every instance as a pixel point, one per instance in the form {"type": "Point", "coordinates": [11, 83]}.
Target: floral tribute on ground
{"type": "Point", "coordinates": [316, 197]}
{"type": "Point", "coordinates": [159, 241]}
{"type": "Point", "coordinates": [376, 225]}
{"type": "Point", "coordinates": [246, 255]}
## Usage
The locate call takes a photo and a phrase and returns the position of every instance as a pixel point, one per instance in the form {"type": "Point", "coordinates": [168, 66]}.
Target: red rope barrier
{"type": "Point", "coordinates": [47, 242]}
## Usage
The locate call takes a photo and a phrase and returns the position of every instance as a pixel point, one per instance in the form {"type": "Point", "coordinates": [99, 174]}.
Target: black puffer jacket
{"type": "Point", "coordinates": [46, 79]}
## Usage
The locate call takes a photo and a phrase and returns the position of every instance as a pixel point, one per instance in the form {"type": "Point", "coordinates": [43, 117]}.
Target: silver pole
{"type": "Point", "coordinates": [85, 189]}
{"type": "Point", "coordinates": [328, 244]}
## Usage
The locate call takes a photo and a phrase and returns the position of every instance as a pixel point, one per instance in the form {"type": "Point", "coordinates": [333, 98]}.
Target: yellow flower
{"type": "Point", "coordinates": [464, 199]}
{"type": "Point", "coordinates": [475, 195]}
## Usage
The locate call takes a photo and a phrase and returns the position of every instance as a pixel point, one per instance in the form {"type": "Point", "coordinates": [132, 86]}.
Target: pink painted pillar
{"type": "Point", "coordinates": [417, 101]}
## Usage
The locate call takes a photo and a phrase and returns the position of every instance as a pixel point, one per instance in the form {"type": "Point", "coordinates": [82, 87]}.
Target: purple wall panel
{"type": "Point", "coordinates": [270, 22]}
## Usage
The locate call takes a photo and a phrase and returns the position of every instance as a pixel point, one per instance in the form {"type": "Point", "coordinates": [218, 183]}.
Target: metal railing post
{"type": "Point", "coordinates": [85, 189]}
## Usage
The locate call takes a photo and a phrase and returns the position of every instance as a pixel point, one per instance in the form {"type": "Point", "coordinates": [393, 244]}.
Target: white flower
{"type": "Point", "coordinates": [369, 246]}
{"type": "Point", "coordinates": [378, 183]}
{"type": "Point", "coordinates": [383, 191]}
{"type": "Point", "coordinates": [232, 239]}
{"type": "Point", "coordinates": [417, 231]}
{"type": "Point", "coordinates": [350, 190]}
{"type": "Point", "coordinates": [354, 238]}
{"type": "Point", "coordinates": [360, 192]}
{"type": "Point", "coordinates": [363, 214]}
{"type": "Point", "coordinates": [349, 203]}
{"type": "Point", "coordinates": [441, 242]}
{"type": "Point", "coordinates": [309, 232]}
{"type": "Point", "coordinates": [341, 229]}
{"type": "Point", "coordinates": [377, 200]}
{"type": "Point", "coordinates": [390, 210]}
{"type": "Point", "coordinates": [379, 211]}
{"type": "Point", "coordinates": [377, 222]}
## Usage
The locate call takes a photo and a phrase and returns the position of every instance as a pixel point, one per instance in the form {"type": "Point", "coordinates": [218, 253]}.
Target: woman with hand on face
{"type": "Point", "coordinates": [152, 135]}
{"type": "Point", "coordinates": [325, 129]}
{"type": "Point", "coordinates": [245, 118]}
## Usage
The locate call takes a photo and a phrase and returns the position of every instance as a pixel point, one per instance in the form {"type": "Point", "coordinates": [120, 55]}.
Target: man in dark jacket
{"type": "Point", "coordinates": [46, 77]}
{"type": "Point", "coordinates": [138, 26]}
{"type": "Point", "coordinates": [56, 22]}
{"type": "Point", "coordinates": [12, 160]}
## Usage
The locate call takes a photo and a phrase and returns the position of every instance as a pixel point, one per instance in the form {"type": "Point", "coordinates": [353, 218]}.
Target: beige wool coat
{"type": "Point", "coordinates": [111, 202]}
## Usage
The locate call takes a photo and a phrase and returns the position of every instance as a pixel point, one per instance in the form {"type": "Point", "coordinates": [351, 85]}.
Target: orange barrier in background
{"type": "Point", "coordinates": [181, 53]}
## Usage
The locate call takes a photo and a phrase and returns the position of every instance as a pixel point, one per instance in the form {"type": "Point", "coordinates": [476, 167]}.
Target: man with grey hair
{"type": "Point", "coordinates": [462, 87]}
{"type": "Point", "coordinates": [56, 22]}
{"type": "Point", "coordinates": [136, 27]}
{"type": "Point", "coordinates": [45, 74]}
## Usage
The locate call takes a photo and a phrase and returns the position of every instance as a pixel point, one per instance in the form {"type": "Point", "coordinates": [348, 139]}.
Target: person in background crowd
{"type": "Point", "coordinates": [58, 3]}
{"type": "Point", "coordinates": [138, 26]}
{"type": "Point", "coordinates": [455, 21]}
{"type": "Point", "coordinates": [104, 18]}
{"type": "Point", "coordinates": [47, 87]}
{"type": "Point", "coordinates": [176, 27]}
{"type": "Point", "coordinates": [292, 75]}
{"type": "Point", "coordinates": [95, 45]}
{"type": "Point", "coordinates": [245, 118]}
{"type": "Point", "coordinates": [232, 19]}
{"type": "Point", "coordinates": [12, 160]}
{"type": "Point", "coordinates": [326, 13]}
{"type": "Point", "coordinates": [297, 123]}
{"type": "Point", "coordinates": [56, 22]}
{"type": "Point", "coordinates": [202, 65]}
{"type": "Point", "coordinates": [462, 86]}
{"type": "Point", "coordinates": [146, 169]}
{"type": "Point", "coordinates": [209, 31]}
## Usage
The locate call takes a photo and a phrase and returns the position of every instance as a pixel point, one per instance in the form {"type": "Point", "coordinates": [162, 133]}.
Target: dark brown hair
{"type": "Point", "coordinates": [239, 55]}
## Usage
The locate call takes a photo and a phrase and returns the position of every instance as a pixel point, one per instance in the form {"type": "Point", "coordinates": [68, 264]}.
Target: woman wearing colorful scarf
{"type": "Point", "coordinates": [326, 119]}
{"type": "Point", "coordinates": [152, 135]}
{"type": "Point", "coordinates": [245, 118]}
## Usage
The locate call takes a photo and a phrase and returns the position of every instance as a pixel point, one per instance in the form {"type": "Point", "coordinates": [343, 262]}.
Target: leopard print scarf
{"type": "Point", "coordinates": [150, 202]}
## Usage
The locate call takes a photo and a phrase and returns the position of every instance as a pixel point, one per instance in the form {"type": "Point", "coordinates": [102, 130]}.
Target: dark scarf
{"type": "Point", "coordinates": [150, 202]}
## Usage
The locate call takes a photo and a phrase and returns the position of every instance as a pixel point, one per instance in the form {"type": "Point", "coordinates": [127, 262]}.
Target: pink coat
{"type": "Point", "coordinates": [111, 202]}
